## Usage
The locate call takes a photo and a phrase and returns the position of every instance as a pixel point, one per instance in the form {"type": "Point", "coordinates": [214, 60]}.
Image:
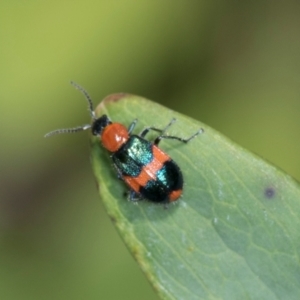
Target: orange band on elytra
{"type": "Point", "coordinates": [149, 171]}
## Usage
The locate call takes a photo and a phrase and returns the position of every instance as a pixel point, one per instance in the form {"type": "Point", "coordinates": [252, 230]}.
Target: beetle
{"type": "Point", "coordinates": [147, 170]}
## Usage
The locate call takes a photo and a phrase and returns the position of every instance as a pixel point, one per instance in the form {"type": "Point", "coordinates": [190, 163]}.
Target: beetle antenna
{"type": "Point", "coordinates": [68, 130]}
{"type": "Point", "coordinates": [87, 97]}
{"type": "Point", "coordinates": [79, 128]}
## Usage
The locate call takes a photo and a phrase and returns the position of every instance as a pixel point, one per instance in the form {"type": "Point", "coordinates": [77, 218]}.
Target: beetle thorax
{"type": "Point", "coordinates": [114, 136]}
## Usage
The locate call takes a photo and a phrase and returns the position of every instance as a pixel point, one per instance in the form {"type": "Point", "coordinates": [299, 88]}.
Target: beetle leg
{"type": "Point", "coordinates": [161, 131]}
{"type": "Point", "coordinates": [134, 197]}
{"type": "Point", "coordinates": [171, 137]}
{"type": "Point", "coordinates": [132, 125]}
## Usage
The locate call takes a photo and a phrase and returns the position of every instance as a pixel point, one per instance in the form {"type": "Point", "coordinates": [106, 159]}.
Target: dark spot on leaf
{"type": "Point", "coordinates": [115, 97]}
{"type": "Point", "coordinates": [270, 192]}
{"type": "Point", "coordinates": [113, 220]}
{"type": "Point", "coordinates": [97, 185]}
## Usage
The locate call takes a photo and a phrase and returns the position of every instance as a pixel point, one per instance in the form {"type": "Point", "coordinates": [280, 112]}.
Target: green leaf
{"type": "Point", "coordinates": [234, 234]}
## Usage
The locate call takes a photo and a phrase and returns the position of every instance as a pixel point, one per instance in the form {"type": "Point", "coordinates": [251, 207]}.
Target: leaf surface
{"type": "Point", "coordinates": [234, 234]}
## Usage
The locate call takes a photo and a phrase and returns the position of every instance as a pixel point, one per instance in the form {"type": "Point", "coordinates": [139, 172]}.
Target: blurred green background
{"type": "Point", "coordinates": [233, 65]}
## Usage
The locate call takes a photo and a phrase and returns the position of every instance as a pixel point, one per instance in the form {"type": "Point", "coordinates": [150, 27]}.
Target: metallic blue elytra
{"type": "Point", "coordinates": [132, 156]}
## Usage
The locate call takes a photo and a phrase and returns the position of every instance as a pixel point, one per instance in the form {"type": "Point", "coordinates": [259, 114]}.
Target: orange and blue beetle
{"type": "Point", "coordinates": [147, 170]}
